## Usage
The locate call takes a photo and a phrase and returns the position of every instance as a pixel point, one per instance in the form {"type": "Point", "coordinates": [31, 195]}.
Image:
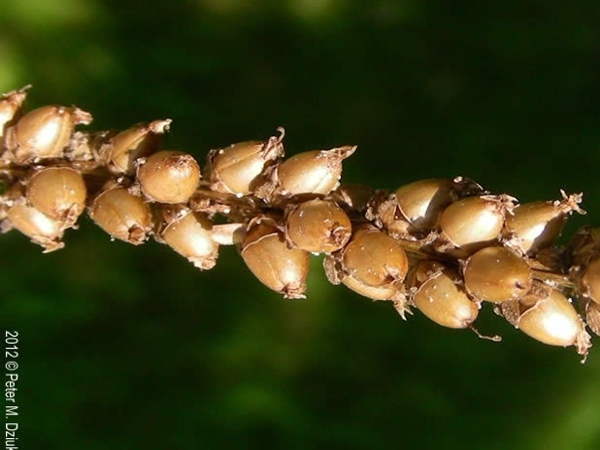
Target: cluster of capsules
{"type": "Point", "coordinates": [442, 246]}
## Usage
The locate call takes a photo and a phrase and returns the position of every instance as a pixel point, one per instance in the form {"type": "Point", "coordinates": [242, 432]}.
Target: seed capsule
{"type": "Point", "coordinates": [120, 153]}
{"type": "Point", "coordinates": [10, 108]}
{"type": "Point", "coordinates": [236, 169]}
{"type": "Point", "coordinates": [547, 316]}
{"type": "Point", "coordinates": [42, 229]}
{"type": "Point", "coordinates": [443, 300]}
{"type": "Point", "coordinates": [122, 215]}
{"type": "Point", "coordinates": [590, 280]}
{"type": "Point", "coordinates": [473, 222]}
{"type": "Point", "coordinates": [58, 192]}
{"type": "Point", "coordinates": [189, 234]}
{"type": "Point", "coordinates": [278, 267]}
{"type": "Point", "coordinates": [592, 316]}
{"type": "Point", "coordinates": [536, 225]}
{"type": "Point", "coordinates": [314, 172]}
{"type": "Point", "coordinates": [497, 274]}
{"type": "Point", "coordinates": [375, 259]}
{"type": "Point", "coordinates": [169, 177]}
{"type": "Point", "coordinates": [318, 226]}
{"type": "Point", "coordinates": [44, 132]}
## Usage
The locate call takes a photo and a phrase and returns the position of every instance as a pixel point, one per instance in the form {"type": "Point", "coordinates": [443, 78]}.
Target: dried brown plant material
{"type": "Point", "coordinates": [44, 132]}
{"type": "Point", "coordinates": [237, 168]}
{"type": "Point", "coordinates": [473, 223]}
{"type": "Point", "coordinates": [277, 266]}
{"type": "Point", "coordinates": [121, 151]}
{"type": "Point", "coordinates": [535, 225]}
{"type": "Point", "coordinates": [497, 274]}
{"type": "Point", "coordinates": [318, 226]}
{"type": "Point", "coordinates": [168, 176]}
{"type": "Point", "coordinates": [123, 215]}
{"type": "Point", "coordinates": [58, 192]}
{"type": "Point", "coordinates": [189, 234]}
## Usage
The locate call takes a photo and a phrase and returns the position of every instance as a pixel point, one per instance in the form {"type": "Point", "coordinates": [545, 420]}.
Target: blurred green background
{"type": "Point", "coordinates": [131, 347]}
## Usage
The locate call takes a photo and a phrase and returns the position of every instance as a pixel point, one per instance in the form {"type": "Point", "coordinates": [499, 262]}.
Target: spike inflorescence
{"type": "Point", "coordinates": [442, 246]}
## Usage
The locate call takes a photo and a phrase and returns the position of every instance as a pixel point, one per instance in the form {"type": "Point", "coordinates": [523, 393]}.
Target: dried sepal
{"type": "Point", "coordinates": [237, 168]}
{"type": "Point", "coordinates": [121, 151]}
{"type": "Point", "coordinates": [189, 234]}
{"type": "Point", "coordinates": [58, 192]}
{"type": "Point", "coordinates": [277, 266]}
{"type": "Point", "coordinates": [122, 215]}
{"type": "Point", "coordinates": [497, 274]}
{"type": "Point", "coordinates": [44, 132]}
{"type": "Point", "coordinates": [168, 176]}
{"type": "Point", "coordinates": [535, 225]}
{"type": "Point", "coordinates": [317, 226]}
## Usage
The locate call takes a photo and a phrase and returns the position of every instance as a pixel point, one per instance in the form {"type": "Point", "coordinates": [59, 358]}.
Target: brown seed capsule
{"type": "Point", "coordinates": [536, 225]}
{"type": "Point", "coordinates": [169, 176]}
{"type": "Point", "coordinates": [314, 172]}
{"type": "Point", "coordinates": [318, 226]}
{"type": "Point", "coordinates": [42, 229]}
{"type": "Point", "coordinates": [122, 215]}
{"type": "Point", "coordinates": [44, 132]}
{"type": "Point", "coordinates": [592, 316]}
{"type": "Point", "coordinates": [10, 108]}
{"type": "Point", "coordinates": [353, 196]}
{"type": "Point", "coordinates": [549, 317]}
{"type": "Point", "coordinates": [473, 222]}
{"type": "Point", "coordinates": [120, 153]}
{"type": "Point", "coordinates": [189, 234]}
{"type": "Point", "coordinates": [497, 274]}
{"type": "Point", "coordinates": [421, 202]}
{"type": "Point", "coordinates": [590, 280]}
{"type": "Point", "coordinates": [236, 169]}
{"type": "Point", "coordinates": [58, 192]}
{"type": "Point", "coordinates": [443, 300]}
{"type": "Point", "coordinates": [278, 267]}
{"type": "Point", "coordinates": [375, 259]}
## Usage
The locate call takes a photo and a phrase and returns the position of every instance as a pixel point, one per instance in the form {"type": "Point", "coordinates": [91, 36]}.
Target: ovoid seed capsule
{"type": "Point", "coordinates": [120, 153]}
{"type": "Point", "coordinates": [122, 215]}
{"type": "Point", "coordinates": [42, 229]}
{"type": "Point", "coordinates": [443, 300]}
{"type": "Point", "coordinates": [536, 225]}
{"type": "Point", "coordinates": [277, 266]}
{"type": "Point", "coordinates": [169, 176]}
{"type": "Point", "coordinates": [318, 226]}
{"type": "Point", "coordinates": [58, 192]}
{"type": "Point", "coordinates": [592, 316]}
{"type": "Point", "coordinates": [10, 108]}
{"type": "Point", "coordinates": [590, 280]}
{"type": "Point", "coordinates": [189, 234]}
{"type": "Point", "coordinates": [235, 169]}
{"type": "Point", "coordinates": [44, 132]}
{"type": "Point", "coordinates": [374, 259]}
{"type": "Point", "coordinates": [548, 316]}
{"type": "Point", "coordinates": [421, 202]}
{"type": "Point", "coordinates": [313, 172]}
{"type": "Point", "coordinates": [474, 222]}
{"type": "Point", "coordinates": [497, 274]}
